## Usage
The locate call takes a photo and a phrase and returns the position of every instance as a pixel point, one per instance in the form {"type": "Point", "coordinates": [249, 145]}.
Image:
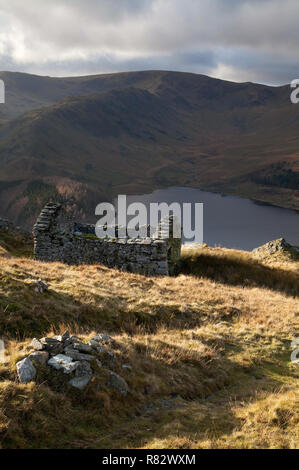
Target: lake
{"type": "Point", "coordinates": [231, 221]}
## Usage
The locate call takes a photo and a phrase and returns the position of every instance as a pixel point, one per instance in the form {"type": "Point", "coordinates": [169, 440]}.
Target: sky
{"type": "Point", "coordinates": [238, 40]}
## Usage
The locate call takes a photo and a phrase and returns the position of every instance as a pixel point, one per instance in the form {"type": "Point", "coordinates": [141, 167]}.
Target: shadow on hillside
{"type": "Point", "coordinates": [200, 405]}
{"type": "Point", "coordinates": [234, 270]}
{"type": "Point", "coordinates": [16, 244]}
{"type": "Point", "coordinates": [173, 386]}
{"type": "Point", "coordinates": [158, 388]}
{"type": "Point", "coordinates": [183, 401]}
{"type": "Point", "coordinates": [25, 313]}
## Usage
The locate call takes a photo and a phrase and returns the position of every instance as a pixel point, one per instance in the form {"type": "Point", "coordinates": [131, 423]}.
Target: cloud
{"type": "Point", "coordinates": [237, 39]}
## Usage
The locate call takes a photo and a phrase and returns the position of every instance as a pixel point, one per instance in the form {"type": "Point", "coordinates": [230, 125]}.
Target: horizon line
{"type": "Point", "coordinates": [142, 71]}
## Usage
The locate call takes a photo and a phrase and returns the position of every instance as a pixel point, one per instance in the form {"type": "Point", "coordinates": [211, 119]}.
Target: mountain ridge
{"type": "Point", "coordinates": [85, 139]}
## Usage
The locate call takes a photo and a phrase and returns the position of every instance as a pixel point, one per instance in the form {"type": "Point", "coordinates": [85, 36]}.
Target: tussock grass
{"type": "Point", "coordinates": [209, 350]}
{"type": "Point", "coordinates": [279, 272]}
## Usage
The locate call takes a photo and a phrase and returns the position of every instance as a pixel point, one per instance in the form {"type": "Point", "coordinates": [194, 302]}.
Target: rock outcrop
{"type": "Point", "coordinates": [276, 247]}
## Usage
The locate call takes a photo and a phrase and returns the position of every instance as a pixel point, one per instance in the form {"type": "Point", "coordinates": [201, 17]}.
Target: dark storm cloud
{"type": "Point", "coordinates": [253, 40]}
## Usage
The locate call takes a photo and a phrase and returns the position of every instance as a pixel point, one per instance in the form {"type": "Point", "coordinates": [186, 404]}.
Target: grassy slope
{"type": "Point", "coordinates": [210, 354]}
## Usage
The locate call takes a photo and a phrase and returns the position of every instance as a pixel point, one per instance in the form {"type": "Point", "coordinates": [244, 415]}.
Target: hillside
{"type": "Point", "coordinates": [209, 353]}
{"type": "Point", "coordinates": [86, 139]}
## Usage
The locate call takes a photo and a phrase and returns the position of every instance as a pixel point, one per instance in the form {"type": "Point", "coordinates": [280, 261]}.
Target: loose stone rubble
{"type": "Point", "coordinates": [72, 357]}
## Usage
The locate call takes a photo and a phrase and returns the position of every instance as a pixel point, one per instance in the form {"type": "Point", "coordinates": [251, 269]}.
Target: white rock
{"type": "Point", "coordinates": [26, 371]}
{"type": "Point", "coordinates": [37, 345]}
{"type": "Point", "coordinates": [63, 363]}
{"type": "Point", "coordinates": [103, 338]}
{"type": "Point", "coordinates": [58, 338]}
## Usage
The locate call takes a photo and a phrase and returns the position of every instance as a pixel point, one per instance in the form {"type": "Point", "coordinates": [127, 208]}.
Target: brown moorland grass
{"type": "Point", "coordinates": [209, 350]}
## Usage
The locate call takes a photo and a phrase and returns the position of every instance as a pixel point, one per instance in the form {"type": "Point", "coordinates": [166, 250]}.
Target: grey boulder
{"type": "Point", "coordinates": [52, 345]}
{"type": "Point", "coordinates": [77, 356]}
{"type": "Point", "coordinates": [65, 335]}
{"type": "Point", "coordinates": [83, 375]}
{"type": "Point", "coordinates": [26, 371]}
{"type": "Point", "coordinates": [81, 347]}
{"type": "Point", "coordinates": [83, 369]}
{"type": "Point", "coordinates": [80, 382]}
{"type": "Point", "coordinates": [63, 363]}
{"type": "Point", "coordinates": [40, 357]}
{"type": "Point", "coordinates": [118, 383]}
{"type": "Point", "coordinates": [58, 338]}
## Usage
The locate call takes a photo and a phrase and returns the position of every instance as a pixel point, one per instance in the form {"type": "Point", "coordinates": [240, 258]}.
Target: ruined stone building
{"type": "Point", "coordinates": [57, 238]}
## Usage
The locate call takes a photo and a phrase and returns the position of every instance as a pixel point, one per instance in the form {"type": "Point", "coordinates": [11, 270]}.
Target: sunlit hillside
{"type": "Point", "coordinates": [209, 353]}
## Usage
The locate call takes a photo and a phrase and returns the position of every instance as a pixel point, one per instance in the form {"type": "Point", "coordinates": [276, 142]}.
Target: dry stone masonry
{"type": "Point", "coordinates": [58, 238]}
{"type": "Point", "coordinates": [76, 360]}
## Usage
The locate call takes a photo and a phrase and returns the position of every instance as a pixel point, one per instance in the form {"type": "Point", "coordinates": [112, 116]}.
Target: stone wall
{"type": "Point", "coordinates": [58, 238]}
